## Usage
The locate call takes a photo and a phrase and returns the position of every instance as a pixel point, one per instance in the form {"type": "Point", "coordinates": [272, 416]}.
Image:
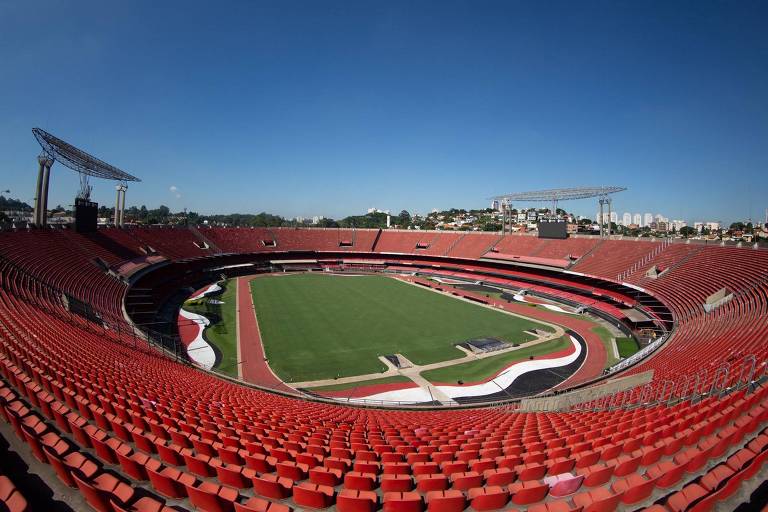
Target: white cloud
{"type": "Point", "coordinates": [173, 188]}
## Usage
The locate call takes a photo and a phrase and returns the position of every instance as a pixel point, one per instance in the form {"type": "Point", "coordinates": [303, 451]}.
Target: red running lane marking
{"type": "Point", "coordinates": [368, 390]}
{"type": "Point", "coordinates": [255, 369]}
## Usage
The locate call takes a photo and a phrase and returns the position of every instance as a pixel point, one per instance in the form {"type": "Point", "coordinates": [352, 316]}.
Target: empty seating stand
{"type": "Point", "coordinates": [130, 429]}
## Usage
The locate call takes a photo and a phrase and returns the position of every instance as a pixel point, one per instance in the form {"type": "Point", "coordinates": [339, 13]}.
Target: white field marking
{"type": "Point", "coordinates": [521, 298]}
{"type": "Point", "coordinates": [417, 394]}
{"type": "Point", "coordinates": [199, 350]}
{"type": "Point", "coordinates": [211, 289]}
{"type": "Point", "coordinates": [501, 381]}
{"type": "Point", "coordinates": [237, 329]}
{"type": "Point", "coordinates": [508, 376]}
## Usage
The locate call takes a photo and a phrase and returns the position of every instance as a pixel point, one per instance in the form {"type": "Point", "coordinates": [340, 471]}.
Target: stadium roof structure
{"type": "Point", "coordinates": [77, 159]}
{"type": "Point", "coordinates": [561, 194]}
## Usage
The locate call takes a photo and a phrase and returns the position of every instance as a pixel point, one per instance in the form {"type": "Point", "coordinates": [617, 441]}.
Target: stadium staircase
{"type": "Point", "coordinates": [454, 244]}
{"type": "Point", "coordinates": [681, 261]}
{"type": "Point", "coordinates": [644, 261]}
{"type": "Point", "coordinates": [215, 248]}
{"type": "Point", "coordinates": [376, 240]}
{"type": "Point", "coordinates": [589, 252]}
{"type": "Point", "coordinates": [494, 244]}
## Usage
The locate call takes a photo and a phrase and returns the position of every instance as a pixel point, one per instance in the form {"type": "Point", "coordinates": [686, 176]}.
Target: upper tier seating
{"type": "Point", "coordinates": [176, 243]}
{"type": "Point", "coordinates": [474, 245]}
{"type": "Point", "coordinates": [51, 257]}
{"type": "Point", "coordinates": [245, 240]}
{"type": "Point", "coordinates": [405, 242]}
{"type": "Point", "coordinates": [132, 429]}
{"type": "Point", "coordinates": [531, 249]}
{"type": "Point", "coordinates": [612, 257]}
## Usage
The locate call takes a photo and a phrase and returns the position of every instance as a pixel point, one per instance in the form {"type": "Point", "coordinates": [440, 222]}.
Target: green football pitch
{"type": "Point", "coordinates": [316, 326]}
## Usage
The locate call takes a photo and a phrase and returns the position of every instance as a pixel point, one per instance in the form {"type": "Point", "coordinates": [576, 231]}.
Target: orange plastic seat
{"type": "Point", "coordinates": [312, 495]}
{"type": "Point", "coordinates": [488, 498]}
{"type": "Point", "coordinates": [402, 502]}
{"type": "Point", "coordinates": [349, 500]}
{"type": "Point", "coordinates": [445, 501]}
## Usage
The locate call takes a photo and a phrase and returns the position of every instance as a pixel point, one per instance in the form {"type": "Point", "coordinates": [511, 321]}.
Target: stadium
{"type": "Point", "coordinates": [219, 369]}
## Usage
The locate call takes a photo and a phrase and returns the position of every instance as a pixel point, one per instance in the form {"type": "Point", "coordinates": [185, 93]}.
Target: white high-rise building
{"type": "Point", "coordinates": [679, 224]}
{"type": "Point", "coordinates": [637, 219]}
{"type": "Point", "coordinates": [606, 218]}
{"type": "Point", "coordinates": [626, 219]}
{"type": "Point", "coordinates": [614, 217]}
{"type": "Point", "coordinates": [647, 219]}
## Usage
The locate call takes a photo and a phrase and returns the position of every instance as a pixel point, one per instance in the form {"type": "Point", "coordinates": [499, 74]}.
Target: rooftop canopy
{"type": "Point", "coordinates": [561, 194]}
{"type": "Point", "coordinates": [77, 159]}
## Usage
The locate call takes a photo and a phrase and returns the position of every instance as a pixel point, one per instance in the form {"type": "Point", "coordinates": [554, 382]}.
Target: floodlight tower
{"type": "Point", "coordinates": [562, 194]}
{"type": "Point", "coordinates": [86, 166]}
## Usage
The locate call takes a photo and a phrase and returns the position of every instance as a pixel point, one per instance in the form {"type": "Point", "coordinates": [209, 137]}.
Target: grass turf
{"type": "Point", "coordinates": [223, 329]}
{"type": "Point", "coordinates": [482, 369]}
{"type": "Point", "coordinates": [316, 326]}
{"type": "Point", "coordinates": [627, 346]}
{"type": "Point", "coordinates": [352, 385]}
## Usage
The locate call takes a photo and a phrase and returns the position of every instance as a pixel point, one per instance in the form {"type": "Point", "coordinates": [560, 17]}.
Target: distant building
{"type": "Point", "coordinates": [698, 226]}
{"type": "Point", "coordinates": [496, 205]}
{"type": "Point", "coordinates": [713, 225]}
{"type": "Point", "coordinates": [606, 218]}
{"type": "Point", "coordinates": [677, 225]}
{"type": "Point", "coordinates": [614, 217]}
{"type": "Point", "coordinates": [647, 219]}
{"type": "Point", "coordinates": [626, 219]}
{"type": "Point", "coordinates": [638, 220]}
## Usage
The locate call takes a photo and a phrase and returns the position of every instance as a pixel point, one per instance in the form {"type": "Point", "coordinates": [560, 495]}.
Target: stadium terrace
{"type": "Point", "coordinates": [123, 402]}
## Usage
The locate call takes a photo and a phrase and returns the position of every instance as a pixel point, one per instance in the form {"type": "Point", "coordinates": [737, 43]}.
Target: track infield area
{"type": "Point", "coordinates": [316, 326]}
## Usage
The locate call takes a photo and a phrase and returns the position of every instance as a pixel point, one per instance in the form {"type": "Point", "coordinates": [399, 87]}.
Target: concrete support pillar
{"type": "Point", "coordinates": [122, 207]}
{"type": "Point", "coordinates": [117, 206]}
{"type": "Point", "coordinates": [39, 190]}
{"type": "Point", "coordinates": [601, 220]}
{"type": "Point", "coordinates": [46, 179]}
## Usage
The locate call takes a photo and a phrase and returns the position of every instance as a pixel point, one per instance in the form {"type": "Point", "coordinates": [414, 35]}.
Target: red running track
{"type": "Point", "coordinates": [255, 368]}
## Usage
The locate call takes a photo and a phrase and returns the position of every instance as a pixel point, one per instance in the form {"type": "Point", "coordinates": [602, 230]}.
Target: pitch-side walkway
{"type": "Point", "coordinates": [253, 366]}
{"type": "Point", "coordinates": [416, 369]}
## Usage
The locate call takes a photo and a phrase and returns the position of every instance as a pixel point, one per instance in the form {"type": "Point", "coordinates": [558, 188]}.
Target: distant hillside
{"type": "Point", "coordinates": [13, 204]}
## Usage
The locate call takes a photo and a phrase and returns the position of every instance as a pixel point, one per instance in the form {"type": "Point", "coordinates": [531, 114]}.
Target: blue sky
{"type": "Point", "coordinates": [306, 108]}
